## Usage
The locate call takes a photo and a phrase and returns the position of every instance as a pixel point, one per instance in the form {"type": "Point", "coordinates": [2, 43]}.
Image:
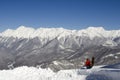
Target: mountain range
{"type": "Point", "coordinates": [58, 48]}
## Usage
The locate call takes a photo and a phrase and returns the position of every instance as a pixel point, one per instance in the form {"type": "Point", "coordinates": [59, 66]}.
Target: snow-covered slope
{"type": "Point", "coordinates": [110, 43]}
{"type": "Point", "coordinates": [32, 73]}
{"type": "Point", "coordinates": [26, 32]}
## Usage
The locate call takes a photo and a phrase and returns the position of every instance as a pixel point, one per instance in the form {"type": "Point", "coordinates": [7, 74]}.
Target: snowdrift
{"type": "Point", "coordinates": [32, 73]}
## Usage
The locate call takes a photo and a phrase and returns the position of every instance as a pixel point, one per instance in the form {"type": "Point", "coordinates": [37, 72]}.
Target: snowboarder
{"type": "Point", "coordinates": [88, 63]}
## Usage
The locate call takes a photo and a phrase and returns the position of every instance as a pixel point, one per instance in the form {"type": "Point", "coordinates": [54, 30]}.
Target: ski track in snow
{"type": "Point", "coordinates": [32, 73]}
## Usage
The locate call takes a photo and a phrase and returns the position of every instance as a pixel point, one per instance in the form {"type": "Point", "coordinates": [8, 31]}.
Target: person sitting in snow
{"type": "Point", "coordinates": [88, 63]}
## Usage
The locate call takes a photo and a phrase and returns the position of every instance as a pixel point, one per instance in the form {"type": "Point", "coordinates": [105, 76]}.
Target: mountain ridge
{"type": "Point", "coordinates": [27, 32]}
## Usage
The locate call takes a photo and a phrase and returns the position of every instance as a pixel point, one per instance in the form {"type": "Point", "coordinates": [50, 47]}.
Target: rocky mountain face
{"type": "Point", "coordinates": [58, 48]}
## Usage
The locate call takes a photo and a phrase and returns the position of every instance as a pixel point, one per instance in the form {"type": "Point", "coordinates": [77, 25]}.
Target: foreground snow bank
{"type": "Point", "coordinates": [32, 73]}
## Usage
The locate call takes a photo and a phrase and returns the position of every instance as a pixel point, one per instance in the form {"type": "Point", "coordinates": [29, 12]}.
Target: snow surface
{"type": "Point", "coordinates": [110, 43]}
{"type": "Point", "coordinates": [26, 32]}
{"type": "Point", "coordinates": [32, 73]}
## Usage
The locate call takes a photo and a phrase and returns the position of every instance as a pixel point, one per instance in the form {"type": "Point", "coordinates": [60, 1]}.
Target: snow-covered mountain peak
{"type": "Point", "coordinates": [92, 32]}
{"type": "Point", "coordinates": [95, 28]}
{"type": "Point", "coordinates": [7, 32]}
{"type": "Point", "coordinates": [27, 32]}
{"type": "Point", "coordinates": [21, 32]}
{"type": "Point", "coordinates": [22, 28]}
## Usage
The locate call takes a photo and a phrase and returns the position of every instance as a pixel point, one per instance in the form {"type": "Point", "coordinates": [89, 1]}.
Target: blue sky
{"type": "Point", "coordinates": [70, 14]}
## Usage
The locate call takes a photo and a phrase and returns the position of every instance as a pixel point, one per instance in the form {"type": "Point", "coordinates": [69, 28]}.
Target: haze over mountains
{"type": "Point", "coordinates": [58, 48]}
